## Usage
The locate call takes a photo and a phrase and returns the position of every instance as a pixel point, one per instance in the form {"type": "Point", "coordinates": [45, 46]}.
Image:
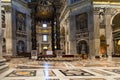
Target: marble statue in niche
{"type": "Point", "coordinates": [83, 48]}
{"type": "Point", "coordinates": [101, 16]}
{"type": "Point", "coordinates": [20, 46]}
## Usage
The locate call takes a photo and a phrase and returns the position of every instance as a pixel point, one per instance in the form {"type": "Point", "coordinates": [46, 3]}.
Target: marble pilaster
{"type": "Point", "coordinates": [22, 35]}
{"type": "Point", "coordinates": [91, 33]}
{"type": "Point", "coordinates": [109, 38]}
{"type": "Point", "coordinates": [67, 36]}
{"type": "Point", "coordinates": [28, 23]}
{"type": "Point", "coordinates": [13, 32]}
{"type": "Point", "coordinates": [96, 35]}
{"type": "Point", "coordinates": [8, 30]}
{"type": "Point", "coordinates": [72, 36]}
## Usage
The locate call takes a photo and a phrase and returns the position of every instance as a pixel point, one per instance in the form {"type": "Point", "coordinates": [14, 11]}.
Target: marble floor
{"type": "Point", "coordinates": [90, 69]}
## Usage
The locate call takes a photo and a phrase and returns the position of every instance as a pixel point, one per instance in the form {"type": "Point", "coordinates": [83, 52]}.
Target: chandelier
{"type": "Point", "coordinates": [45, 10]}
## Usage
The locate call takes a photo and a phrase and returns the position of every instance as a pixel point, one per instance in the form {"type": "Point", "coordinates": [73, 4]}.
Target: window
{"type": "Point", "coordinates": [44, 37]}
{"type": "Point", "coordinates": [44, 25]}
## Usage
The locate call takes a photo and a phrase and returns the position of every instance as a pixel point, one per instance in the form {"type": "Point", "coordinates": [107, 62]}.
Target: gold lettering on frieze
{"type": "Point", "coordinates": [6, 0]}
{"type": "Point", "coordinates": [45, 31]}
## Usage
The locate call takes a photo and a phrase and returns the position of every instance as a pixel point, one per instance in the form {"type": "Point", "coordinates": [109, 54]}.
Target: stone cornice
{"type": "Point", "coordinates": [21, 5]}
{"type": "Point", "coordinates": [65, 10]}
{"type": "Point", "coordinates": [107, 3]}
{"type": "Point", "coordinates": [69, 8]}
{"type": "Point", "coordinates": [22, 2]}
{"type": "Point", "coordinates": [6, 1]}
{"type": "Point", "coordinates": [108, 10]}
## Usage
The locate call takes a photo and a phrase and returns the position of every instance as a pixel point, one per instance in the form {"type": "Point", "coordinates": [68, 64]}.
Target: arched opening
{"type": "Point", "coordinates": [45, 11]}
{"type": "Point", "coordinates": [82, 47]}
{"type": "Point", "coordinates": [20, 47]}
{"type": "Point", "coordinates": [103, 46]}
{"type": "Point", "coordinates": [116, 35]}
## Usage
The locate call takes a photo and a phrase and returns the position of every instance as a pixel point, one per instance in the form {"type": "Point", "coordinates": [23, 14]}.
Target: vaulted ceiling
{"type": "Point", "coordinates": [56, 3]}
{"type": "Point", "coordinates": [44, 9]}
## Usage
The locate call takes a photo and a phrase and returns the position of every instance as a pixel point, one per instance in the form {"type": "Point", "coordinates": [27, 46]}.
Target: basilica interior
{"type": "Point", "coordinates": [59, 39]}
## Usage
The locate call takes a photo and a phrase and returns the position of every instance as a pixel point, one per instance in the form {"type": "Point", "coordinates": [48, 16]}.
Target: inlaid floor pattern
{"type": "Point", "coordinates": [73, 70]}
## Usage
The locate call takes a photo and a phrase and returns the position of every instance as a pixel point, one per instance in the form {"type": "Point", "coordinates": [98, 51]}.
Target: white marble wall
{"type": "Point", "coordinates": [91, 32]}
{"type": "Point", "coordinates": [96, 35]}
{"type": "Point", "coordinates": [69, 22]}
{"type": "Point", "coordinates": [3, 66]}
{"type": "Point", "coordinates": [13, 32]}
{"type": "Point", "coordinates": [109, 36]}
{"type": "Point", "coordinates": [8, 32]}
{"type": "Point", "coordinates": [110, 11]}
{"type": "Point", "coordinates": [94, 28]}
{"type": "Point", "coordinates": [72, 36]}
{"type": "Point", "coordinates": [28, 24]}
{"type": "Point", "coordinates": [21, 7]}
